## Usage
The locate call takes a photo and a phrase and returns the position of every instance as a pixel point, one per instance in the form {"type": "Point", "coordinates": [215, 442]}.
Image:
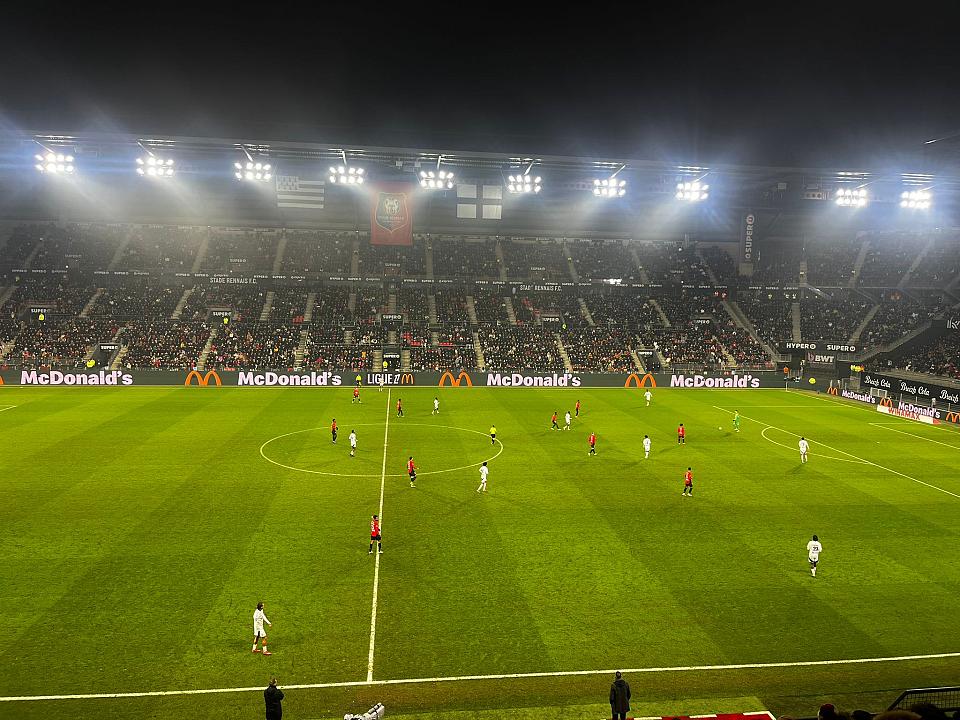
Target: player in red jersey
{"type": "Point", "coordinates": [576, 409]}
{"type": "Point", "coordinates": [593, 444]}
{"type": "Point", "coordinates": [688, 482]}
{"type": "Point", "coordinates": [399, 407]}
{"type": "Point", "coordinates": [681, 435]}
{"type": "Point", "coordinates": [553, 421]}
{"type": "Point", "coordinates": [412, 471]}
{"type": "Point", "coordinates": [333, 431]}
{"type": "Point", "coordinates": [356, 395]}
{"type": "Point", "coordinates": [375, 535]}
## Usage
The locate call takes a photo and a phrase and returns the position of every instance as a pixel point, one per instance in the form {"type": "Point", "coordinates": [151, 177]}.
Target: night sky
{"type": "Point", "coordinates": [798, 84]}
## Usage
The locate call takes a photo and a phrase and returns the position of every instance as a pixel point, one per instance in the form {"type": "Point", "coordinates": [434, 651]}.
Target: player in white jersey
{"type": "Point", "coordinates": [353, 443]}
{"type": "Point", "coordinates": [259, 618]}
{"type": "Point", "coordinates": [648, 396]}
{"type": "Point", "coordinates": [814, 548]}
{"type": "Point", "coordinates": [380, 383]}
{"type": "Point", "coordinates": [804, 449]}
{"type": "Point", "coordinates": [484, 471]}
{"type": "Point", "coordinates": [567, 419]}
{"type": "Point", "coordinates": [646, 446]}
{"type": "Point", "coordinates": [436, 406]}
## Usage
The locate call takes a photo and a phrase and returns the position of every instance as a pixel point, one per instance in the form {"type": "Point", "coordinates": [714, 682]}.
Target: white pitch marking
{"type": "Point", "coordinates": [844, 452]}
{"type": "Point", "coordinates": [886, 426]}
{"type": "Point", "coordinates": [376, 570]}
{"type": "Point", "coordinates": [507, 676]}
{"type": "Point", "coordinates": [7, 407]}
{"type": "Point", "coordinates": [763, 434]}
{"type": "Point", "coordinates": [333, 474]}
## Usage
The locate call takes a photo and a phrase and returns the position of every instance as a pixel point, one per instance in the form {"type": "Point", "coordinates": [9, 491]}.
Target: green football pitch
{"type": "Point", "coordinates": [141, 527]}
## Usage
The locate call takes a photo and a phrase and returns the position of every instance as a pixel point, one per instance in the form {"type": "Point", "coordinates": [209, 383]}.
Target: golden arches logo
{"type": "Point", "coordinates": [886, 402]}
{"type": "Point", "coordinates": [204, 380]}
{"type": "Point", "coordinates": [953, 417]}
{"type": "Point", "coordinates": [455, 381]}
{"type": "Point", "coordinates": [832, 391]}
{"type": "Point", "coordinates": [1, 381]}
{"type": "Point", "coordinates": [406, 379]}
{"type": "Point", "coordinates": [645, 381]}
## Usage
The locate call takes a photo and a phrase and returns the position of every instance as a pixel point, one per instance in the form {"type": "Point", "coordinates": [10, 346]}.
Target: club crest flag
{"type": "Point", "coordinates": [391, 214]}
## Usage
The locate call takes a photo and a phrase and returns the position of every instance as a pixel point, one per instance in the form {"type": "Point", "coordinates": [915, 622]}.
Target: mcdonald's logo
{"type": "Point", "coordinates": [646, 380]}
{"type": "Point", "coordinates": [886, 402]}
{"type": "Point", "coordinates": [406, 379]}
{"type": "Point", "coordinates": [1, 381]}
{"type": "Point", "coordinates": [953, 417]}
{"type": "Point", "coordinates": [455, 381]}
{"type": "Point", "coordinates": [203, 381]}
{"type": "Point", "coordinates": [832, 391]}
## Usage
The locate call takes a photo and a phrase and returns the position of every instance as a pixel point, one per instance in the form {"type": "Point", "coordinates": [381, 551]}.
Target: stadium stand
{"type": "Point", "coordinates": [897, 315]}
{"type": "Point", "coordinates": [58, 343]}
{"type": "Point", "coordinates": [489, 306]}
{"type": "Point", "coordinates": [519, 348]}
{"type": "Point", "coordinates": [834, 317]}
{"type": "Point", "coordinates": [939, 357]}
{"type": "Point", "coordinates": [254, 346]}
{"type": "Point", "coordinates": [535, 260]}
{"type": "Point", "coordinates": [594, 349]}
{"type": "Point", "coordinates": [318, 252]}
{"type": "Point", "coordinates": [161, 248]}
{"type": "Point", "coordinates": [461, 258]}
{"type": "Point", "coordinates": [248, 252]}
{"type": "Point", "coordinates": [770, 314]}
{"type": "Point", "coordinates": [889, 258]}
{"type": "Point", "coordinates": [164, 345]}
{"type": "Point", "coordinates": [830, 262]}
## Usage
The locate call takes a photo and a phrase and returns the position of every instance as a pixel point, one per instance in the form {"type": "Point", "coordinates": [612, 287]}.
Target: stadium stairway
{"type": "Point", "coordinates": [120, 252]}
{"type": "Point", "coordinates": [405, 360]}
{"type": "Point", "coordinates": [916, 262]}
{"type": "Point", "coordinates": [85, 313]}
{"type": "Point", "coordinates": [378, 359]}
{"type": "Point", "coordinates": [567, 365]}
{"type": "Point", "coordinates": [637, 361]}
{"type": "Point", "coordinates": [428, 259]}
{"type": "Point", "coordinates": [432, 308]}
{"type": "Point", "coordinates": [481, 360]}
{"type": "Point", "coordinates": [7, 293]}
{"type": "Point", "coordinates": [205, 353]}
{"type": "Point", "coordinates": [118, 358]}
{"type": "Point", "coordinates": [663, 316]}
{"type": "Point", "coordinates": [858, 265]}
{"type": "Point", "coordinates": [574, 275]}
{"type": "Point", "coordinates": [639, 265]}
{"type": "Point", "coordinates": [502, 264]}
{"type": "Point", "coordinates": [511, 315]}
{"type": "Point", "coordinates": [281, 251]}
{"type": "Point", "coordinates": [8, 346]}
{"type": "Point", "coordinates": [308, 310]}
{"type": "Point", "coordinates": [585, 311]}
{"type": "Point", "coordinates": [743, 322]}
{"type": "Point", "coordinates": [178, 310]}
{"type": "Point", "coordinates": [706, 266]}
{"type": "Point", "coordinates": [301, 352]}
{"type": "Point", "coordinates": [901, 344]}
{"type": "Point", "coordinates": [471, 310]}
{"type": "Point", "coordinates": [28, 263]}
{"type": "Point", "coordinates": [866, 321]}
{"type": "Point", "coordinates": [267, 306]}
{"type": "Point", "coordinates": [392, 302]}
{"type": "Point", "coordinates": [352, 303]}
{"type": "Point", "coordinates": [201, 253]}
{"type": "Point", "coordinates": [795, 317]}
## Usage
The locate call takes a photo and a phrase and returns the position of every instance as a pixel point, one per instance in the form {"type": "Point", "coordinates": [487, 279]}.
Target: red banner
{"type": "Point", "coordinates": [391, 214]}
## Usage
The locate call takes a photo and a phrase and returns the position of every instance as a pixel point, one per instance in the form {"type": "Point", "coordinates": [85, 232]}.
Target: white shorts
{"type": "Point", "coordinates": [814, 559]}
{"type": "Point", "coordinates": [353, 445]}
{"type": "Point", "coordinates": [258, 632]}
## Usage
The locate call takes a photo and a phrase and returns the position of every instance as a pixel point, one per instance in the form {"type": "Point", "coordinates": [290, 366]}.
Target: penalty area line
{"type": "Point", "coordinates": [505, 676]}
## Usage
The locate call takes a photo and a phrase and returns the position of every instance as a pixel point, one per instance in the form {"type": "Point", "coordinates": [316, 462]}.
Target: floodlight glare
{"type": "Point", "coordinates": [524, 184]}
{"type": "Point", "coordinates": [54, 163]}
{"type": "Point", "coordinates": [916, 199]}
{"type": "Point", "coordinates": [154, 166]}
{"type": "Point", "coordinates": [609, 188]}
{"type": "Point", "coordinates": [346, 175]}
{"type": "Point", "coordinates": [694, 191]}
{"type": "Point", "coordinates": [255, 170]}
{"type": "Point", "coordinates": [438, 180]}
{"type": "Point", "coordinates": [852, 197]}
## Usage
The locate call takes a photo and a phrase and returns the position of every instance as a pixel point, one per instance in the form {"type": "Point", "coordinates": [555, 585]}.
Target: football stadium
{"type": "Point", "coordinates": [426, 431]}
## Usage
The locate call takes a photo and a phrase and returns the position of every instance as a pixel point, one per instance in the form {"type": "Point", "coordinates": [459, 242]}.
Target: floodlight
{"type": "Point", "coordinates": [254, 170]}
{"type": "Point", "coordinates": [916, 199]}
{"type": "Point", "coordinates": [524, 184]}
{"type": "Point", "coordinates": [436, 180]}
{"type": "Point", "coordinates": [852, 197]}
{"type": "Point", "coordinates": [346, 175]}
{"type": "Point", "coordinates": [694, 191]}
{"type": "Point", "coordinates": [54, 163]}
{"type": "Point", "coordinates": [609, 187]}
{"type": "Point", "coordinates": [155, 166]}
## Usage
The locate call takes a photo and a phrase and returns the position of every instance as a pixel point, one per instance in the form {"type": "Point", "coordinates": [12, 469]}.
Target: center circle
{"type": "Point", "coordinates": [269, 459]}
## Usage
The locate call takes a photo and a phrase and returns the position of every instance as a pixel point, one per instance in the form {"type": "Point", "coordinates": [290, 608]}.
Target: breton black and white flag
{"type": "Point", "coordinates": [295, 192]}
{"type": "Point", "coordinates": [479, 202]}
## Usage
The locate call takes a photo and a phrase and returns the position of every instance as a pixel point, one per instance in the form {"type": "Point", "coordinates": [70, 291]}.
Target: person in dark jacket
{"type": "Point", "coordinates": [620, 698]}
{"type": "Point", "coordinates": [272, 697]}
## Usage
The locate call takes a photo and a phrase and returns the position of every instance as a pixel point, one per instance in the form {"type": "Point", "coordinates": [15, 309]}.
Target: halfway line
{"type": "Point", "coordinates": [376, 568]}
{"type": "Point", "coordinates": [507, 676]}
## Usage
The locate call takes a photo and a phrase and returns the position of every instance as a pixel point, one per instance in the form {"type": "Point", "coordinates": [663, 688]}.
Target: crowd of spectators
{"type": "Point", "coordinates": [771, 314]}
{"type": "Point", "coordinates": [536, 260]}
{"type": "Point", "coordinates": [622, 309]}
{"type": "Point", "coordinates": [473, 259]}
{"type": "Point", "coordinates": [163, 344]}
{"type": "Point", "coordinates": [393, 260]}
{"type": "Point", "coordinates": [245, 301]}
{"type": "Point", "coordinates": [58, 292]}
{"type": "Point", "coordinates": [246, 252]}
{"type": "Point", "coordinates": [370, 303]}
{"type": "Point", "coordinates": [721, 262]}
{"type": "Point", "coordinates": [78, 247]}
{"type": "Point", "coordinates": [672, 263]}
{"type": "Point", "coordinates": [741, 346]}
{"type": "Point", "coordinates": [599, 349]}
{"type": "Point", "coordinates": [254, 346]}
{"type": "Point", "coordinates": [528, 347]}
{"type": "Point", "coordinates": [690, 346]}
{"type": "Point", "coordinates": [323, 252]}
{"type": "Point", "coordinates": [776, 265]}
{"type": "Point", "coordinates": [600, 259]}
{"type": "Point", "coordinates": [161, 248]}
{"type": "Point", "coordinates": [835, 317]}
{"type": "Point", "coordinates": [941, 263]}
{"type": "Point", "coordinates": [889, 257]}
{"type": "Point", "coordinates": [530, 307]}
{"type": "Point", "coordinates": [288, 305]}
{"type": "Point", "coordinates": [58, 342]}
{"type": "Point", "coordinates": [414, 305]}
{"type": "Point", "coordinates": [897, 315]}
{"type": "Point", "coordinates": [137, 301]}
{"type": "Point", "coordinates": [332, 306]}
{"type": "Point", "coordinates": [489, 306]}
{"type": "Point", "coordinates": [451, 307]}
{"type": "Point", "coordinates": [681, 309]}
{"type": "Point", "coordinates": [938, 357]}
{"type": "Point", "coordinates": [830, 261]}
